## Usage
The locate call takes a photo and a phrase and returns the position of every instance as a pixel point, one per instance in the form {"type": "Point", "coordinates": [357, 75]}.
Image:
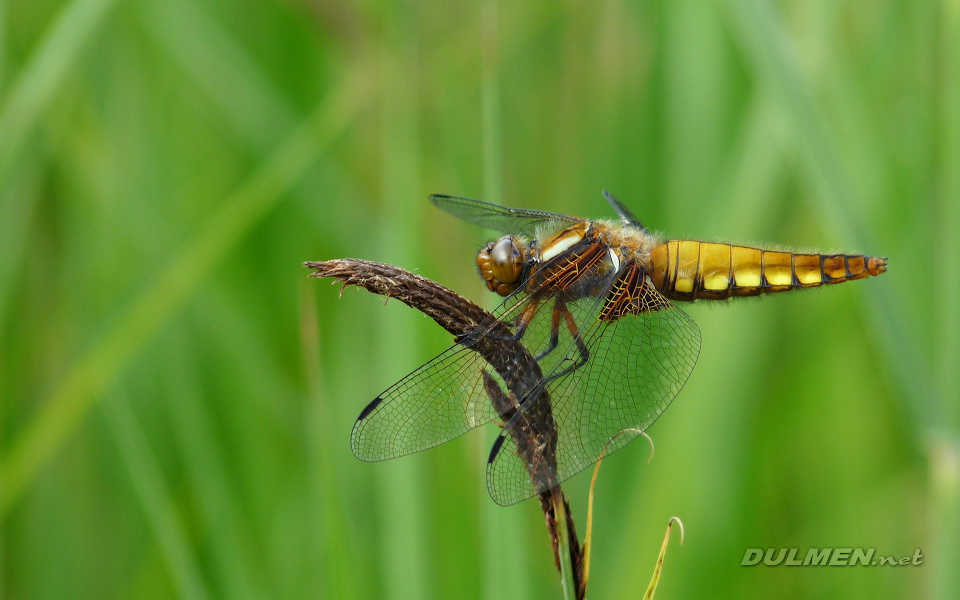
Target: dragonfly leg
{"type": "Point", "coordinates": [524, 318]}
{"type": "Point", "coordinates": [558, 309]}
{"type": "Point", "coordinates": [581, 347]}
{"type": "Point", "coordinates": [584, 353]}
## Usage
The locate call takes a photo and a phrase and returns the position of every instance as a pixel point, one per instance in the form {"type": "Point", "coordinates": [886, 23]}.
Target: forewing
{"type": "Point", "coordinates": [439, 401]}
{"type": "Point", "coordinates": [626, 216]}
{"type": "Point", "coordinates": [501, 218]}
{"type": "Point", "coordinates": [638, 363]}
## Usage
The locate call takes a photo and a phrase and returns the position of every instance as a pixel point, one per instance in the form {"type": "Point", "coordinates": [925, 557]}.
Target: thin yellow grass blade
{"type": "Point", "coordinates": [652, 587]}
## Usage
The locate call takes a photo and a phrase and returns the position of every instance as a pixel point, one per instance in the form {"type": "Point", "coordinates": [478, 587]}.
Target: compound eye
{"type": "Point", "coordinates": [506, 260]}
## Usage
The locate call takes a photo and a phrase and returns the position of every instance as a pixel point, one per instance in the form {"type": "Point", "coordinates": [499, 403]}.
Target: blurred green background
{"type": "Point", "coordinates": [177, 395]}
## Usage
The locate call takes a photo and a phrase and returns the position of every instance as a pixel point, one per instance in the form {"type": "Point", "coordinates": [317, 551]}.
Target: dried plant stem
{"type": "Point", "coordinates": [459, 316]}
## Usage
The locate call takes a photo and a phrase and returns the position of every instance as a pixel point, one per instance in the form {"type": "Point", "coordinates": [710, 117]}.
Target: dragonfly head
{"type": "Point", "coordinates": [501, 264]}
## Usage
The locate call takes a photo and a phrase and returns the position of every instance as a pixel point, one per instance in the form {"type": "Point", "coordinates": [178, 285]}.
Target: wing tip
{"type": "Point", "coordinates": [359, 443]}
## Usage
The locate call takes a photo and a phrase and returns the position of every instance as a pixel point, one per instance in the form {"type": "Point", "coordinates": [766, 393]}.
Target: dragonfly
{"type": "Point", "coordinates": [594, 304]}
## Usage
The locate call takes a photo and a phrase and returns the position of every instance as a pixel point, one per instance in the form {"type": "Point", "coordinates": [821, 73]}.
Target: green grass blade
{"type": "Point", "coordinates": [156, 499]}
{"type": "Point", "coordinates": [221, 67]}
{"type": "Point", "coordinates": [36, 85]}
{"type": "Point", "coordinates": [68, 404]}
{"type": "Point", "coordinates": [945, 454]}
{"type": "Point", "coordinates": [775, 66]}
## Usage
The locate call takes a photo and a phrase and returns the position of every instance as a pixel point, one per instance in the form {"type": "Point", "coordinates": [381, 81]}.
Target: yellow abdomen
{"type": "Point", "coordinates": [692, 270]}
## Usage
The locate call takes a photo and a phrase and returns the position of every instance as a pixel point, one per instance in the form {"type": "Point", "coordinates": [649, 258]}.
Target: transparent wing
{"type": "Point", "coordinates": [501, 218]}
{"type": "Point", "coordinates": [637, 364]}
{"type": "Point", "coordinates": [626, 216]}
{"type": "Point", "coordinates": [439, 401]}
{"type": "Point", "coordinates": [445, 397]}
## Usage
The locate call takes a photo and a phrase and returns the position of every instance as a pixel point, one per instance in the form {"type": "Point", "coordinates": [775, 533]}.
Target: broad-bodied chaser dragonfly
{"type": "Point", "coordinates": [593, 303]}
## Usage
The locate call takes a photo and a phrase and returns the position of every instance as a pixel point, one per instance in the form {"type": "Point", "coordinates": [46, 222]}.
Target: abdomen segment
{"type": "Point", "coordinates": [692, 270]}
